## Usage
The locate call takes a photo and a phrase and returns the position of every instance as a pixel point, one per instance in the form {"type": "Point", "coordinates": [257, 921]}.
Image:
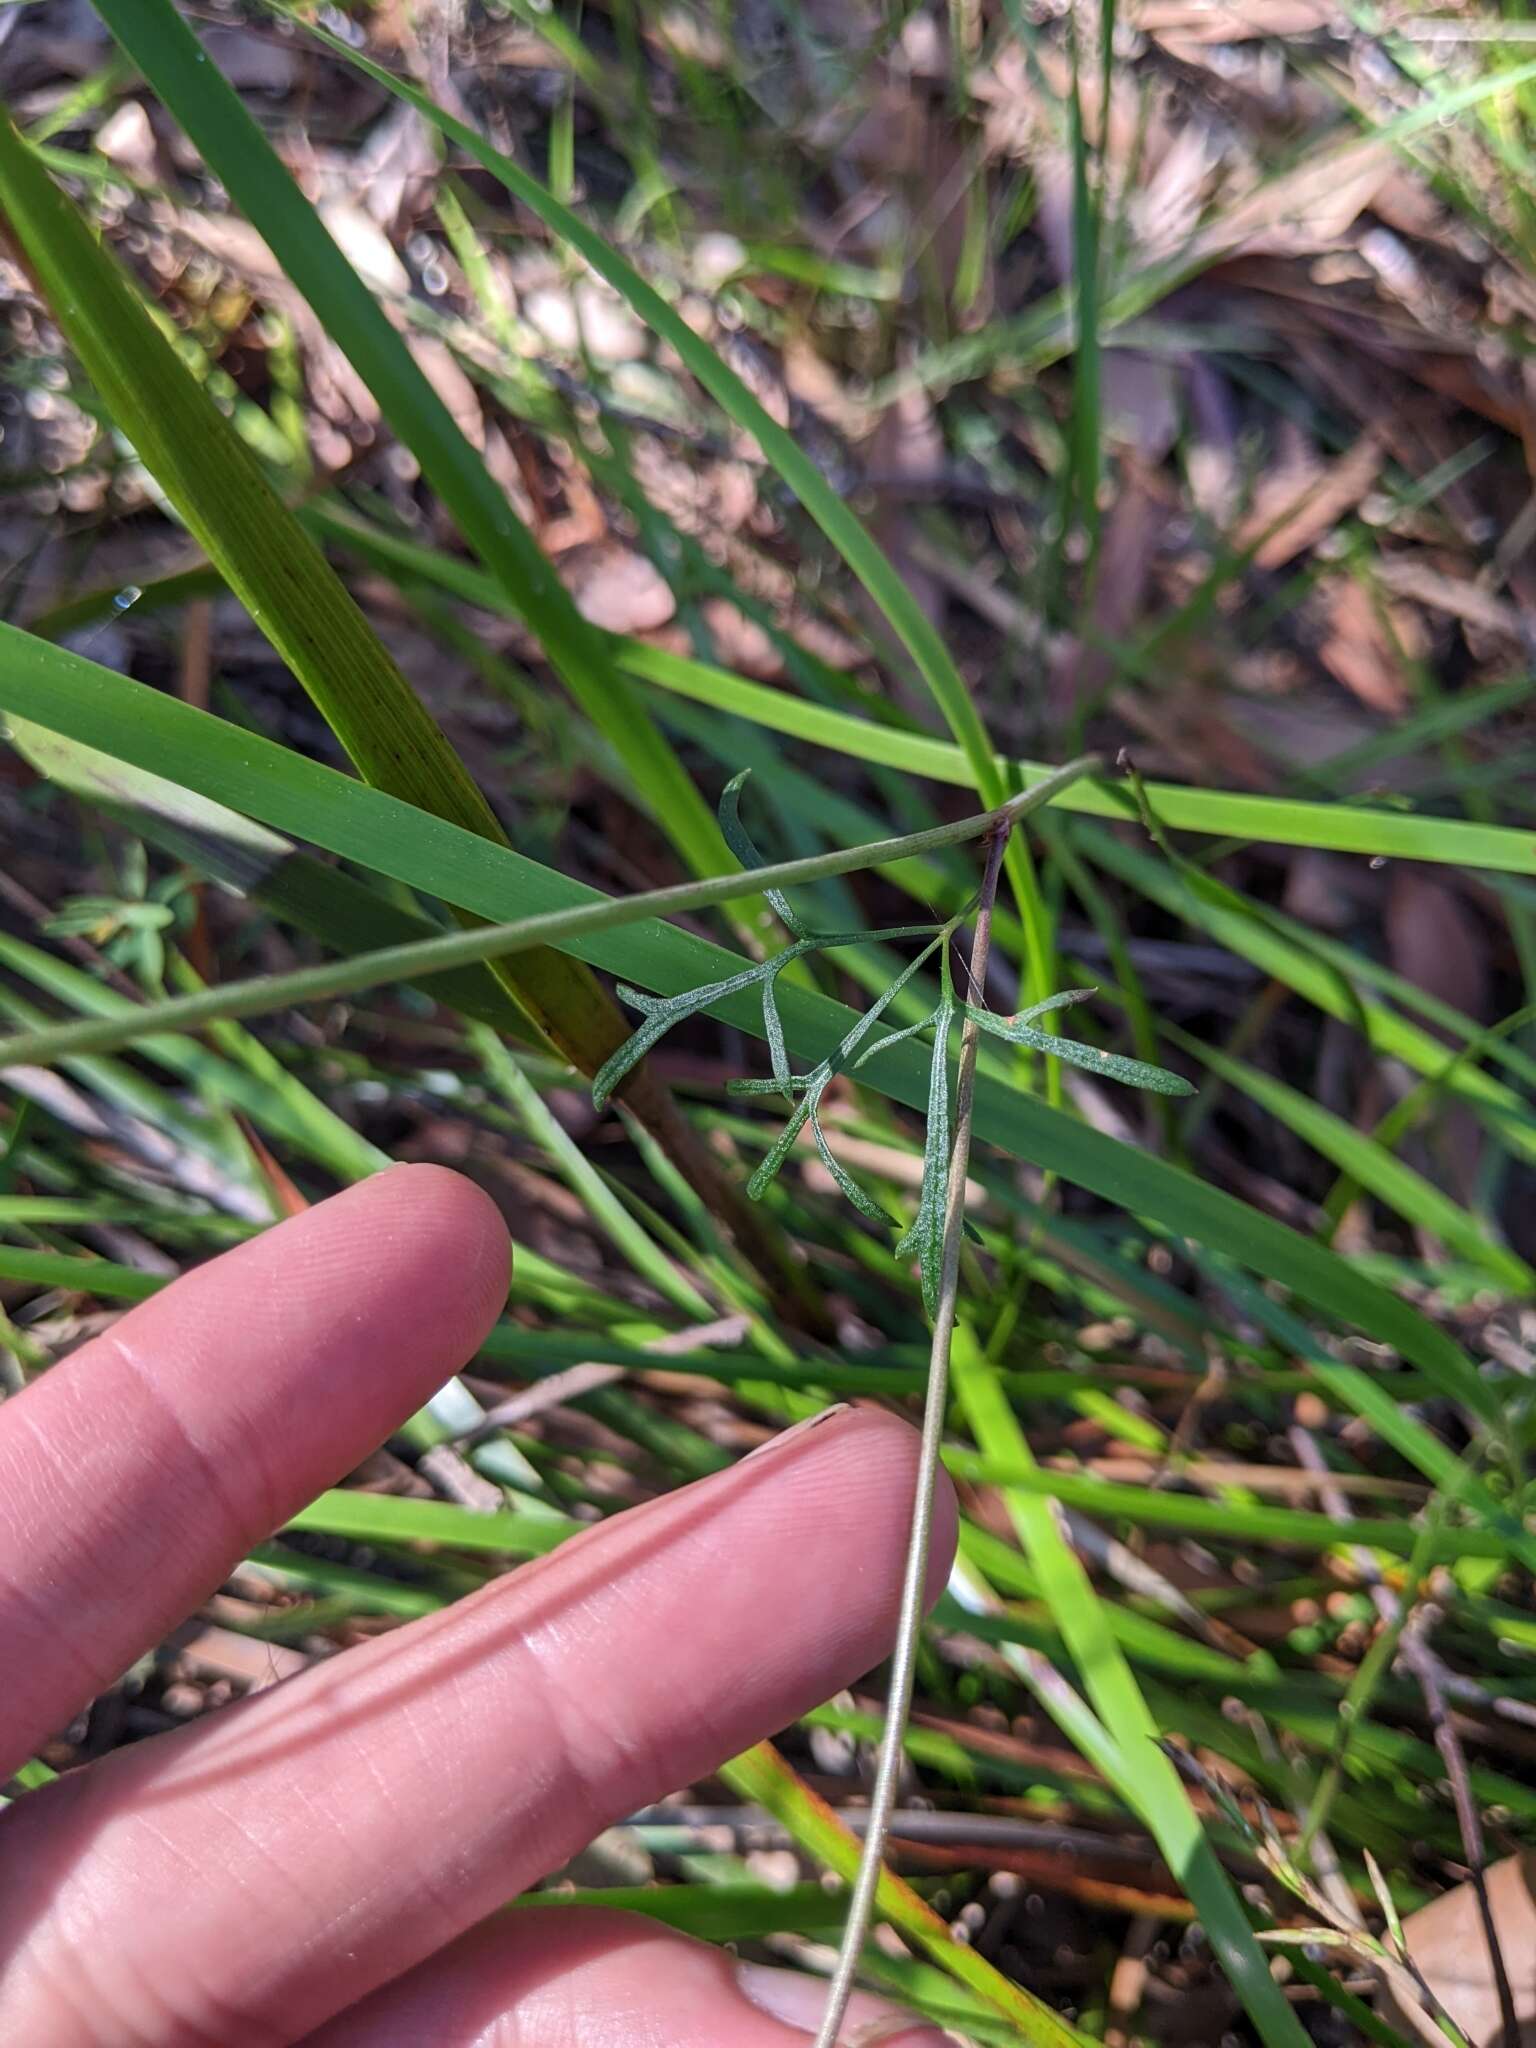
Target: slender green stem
{"type": "Point", "coordinates": [909, 1626]}
{"type": "Point", "coordinates": [492, 942]}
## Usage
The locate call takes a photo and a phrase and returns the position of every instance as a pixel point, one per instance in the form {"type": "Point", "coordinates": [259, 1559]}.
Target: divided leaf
{"type": "Point", "coordinates": [1109, 1066]}
{"type": "Point", "coordinates": [925, 1240]}
{"type": "Point", "coordinates": [661, 1013]}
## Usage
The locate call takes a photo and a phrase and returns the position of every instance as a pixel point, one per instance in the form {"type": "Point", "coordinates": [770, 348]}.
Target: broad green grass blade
{"type": "Point", "coordinates": [1279, 821]}
{"type": "Point", "coordinates": [326, 901]}
{"type": "Point", "coordinates": [264, 555]}
{"type": "Point", "coordinates": [826, 506]}
{"type": "Point", "coordinates": [66, 693]}
{"type": "Point", "coordinates": [165, 49]}
{"type": "Point", "coordinates": [1369, 1164]}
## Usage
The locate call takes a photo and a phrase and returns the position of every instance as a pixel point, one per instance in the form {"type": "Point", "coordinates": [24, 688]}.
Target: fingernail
{"type": "Point", "coordinates": [796, 2000]}
{"type": "Point", "coordinates": [798, 1429]}
{"type": "Point", "coordinates": [900, 2030]}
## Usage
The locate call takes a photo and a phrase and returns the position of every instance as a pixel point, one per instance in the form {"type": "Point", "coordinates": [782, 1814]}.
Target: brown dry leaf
{"type": "Point", "coordinates": [822, 639]}
{"type": "Point", "coordinates": [1229, 21]}
{"type": "Point", "coordinates": [1308, 211]}
{"type": "Point", "coordinates": [1300, 498]}
{"type": "Point", "coordinates": [1458, 597]}
{"type": "Point", "coordinates": [224, 1653]}
{"type": "Point", "coordinates": [439, 365]}
{"type": "Point", "coordinates": [1131, 536]}
{"type": "Point", "coordinates": [1435, 942]}
{"type": "Point", "coordinates": [740, 642]}
{"type": "Point", "coordinates": [907, 448]}
{"type": "Point", "coordinates": [1359, 650]}
{"type": "Point", "coordinates": [617, 588]}
{"type": "Point", "coordinates": [1164, 208]}
{"type": "Point", "coordinates": [366, 246]}
{"type": "Point", "coordinates": [127, 138]}
{"type": "Point", "coordinates": [1446, 1940]}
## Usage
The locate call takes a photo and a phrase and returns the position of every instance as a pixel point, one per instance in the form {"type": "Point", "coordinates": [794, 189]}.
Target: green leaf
{"type": "Point", "coordinates": [73, 696]}
{"type": "Point", "coordinates": [762, 1777]}
{"type": "Point", "coordinates": [925, 1240]}
{"type": "Point", "coordinates": [1130, 1755]}
{"type": "Point", "coordinates": [740, 843]}
{"type": "Point", "coordinates": [168, 53]}
{"type": "Point", "coordinates": [1278, 821]}
{"type": "Point", "coordinates": [1110, 1066]}
{"type": "Point", "coordinates": [830, 510]}
{"type": "Point", "coordinates": [661, 1014]}
{"type": "Point", "coordinates": [1305, 963]}
{"type": "Point", "coordinates": [865, 1204]}
{"type": "Point", "coordinates": [265, 556]}
{"type": "Point", "coordinates": [1371, 1165]}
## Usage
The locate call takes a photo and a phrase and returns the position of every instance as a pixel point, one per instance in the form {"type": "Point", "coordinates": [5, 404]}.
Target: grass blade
{"type": "Point", "coordinates": [263, 554]}
{"type": "Point", "coordinates": [762, 1777]}
{"type": "Point", "coordinates": [1138, 1768]}
{"type": "Point", "coordinates": [67, 694]}
{"type": "Point", "coordinates": [165, 49]}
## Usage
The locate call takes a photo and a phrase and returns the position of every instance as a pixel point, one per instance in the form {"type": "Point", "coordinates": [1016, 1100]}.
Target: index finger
{"type": "Point", "coordinates": [135, 1474]}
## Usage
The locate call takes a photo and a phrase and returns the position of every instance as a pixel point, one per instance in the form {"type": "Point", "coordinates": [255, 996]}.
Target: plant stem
{"type": "Point", "coordinates": [494, 942]}
{"type": "Point", "coordinates": [904, 1658]}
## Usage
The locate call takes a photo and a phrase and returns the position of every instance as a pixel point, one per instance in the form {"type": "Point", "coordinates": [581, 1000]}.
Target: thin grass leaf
{"type": "Point", "coordinates": [265, 556]}
{"type": "Point", "coordinates": [1322, 978]}
{"type": "Point", "coordinates": [1223, 814]}
{"type": "Point", "coordinates": [1279, 821]}
{"type": "Point", "coordinates": [67, 694]}
{"type": "Point", "coordinates": [762, 1777]}
{"type": "Point", "coordinates": [214, 116]}
{"type": "Point", "coordinates": [831, 511]}
{"type": "Point", "coordinates": [1370, 1165]}
{"type": "Point", "coordinates": [387, 1518]}
{"type": "Point", "coordinates": [348, 915]}
{"type": "Point", "coordinates": [1135, 1764]}
{"type": "Point", "coordinates": [601, 1204]}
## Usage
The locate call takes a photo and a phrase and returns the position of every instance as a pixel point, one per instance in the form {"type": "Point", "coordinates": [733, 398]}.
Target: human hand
{"type": "Point", "coordinates": [318, 1861]}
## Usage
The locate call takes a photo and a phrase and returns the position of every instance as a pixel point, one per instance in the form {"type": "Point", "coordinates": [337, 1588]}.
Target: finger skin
{"type": "Point", "coordinates": [246, 1878]}
{"type": "Point", "coordinates": [583, 1977]}
{"type": "Point", "coordinates": [137, 1473]}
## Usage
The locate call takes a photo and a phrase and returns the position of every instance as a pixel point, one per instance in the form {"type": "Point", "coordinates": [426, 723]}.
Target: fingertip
{"type": "Point", "coordinates": [450, 1217]}
{"type": "Point", "coordinates": [945, 1538]}
{"type": "Point", "coordinates": [869, 1449]}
